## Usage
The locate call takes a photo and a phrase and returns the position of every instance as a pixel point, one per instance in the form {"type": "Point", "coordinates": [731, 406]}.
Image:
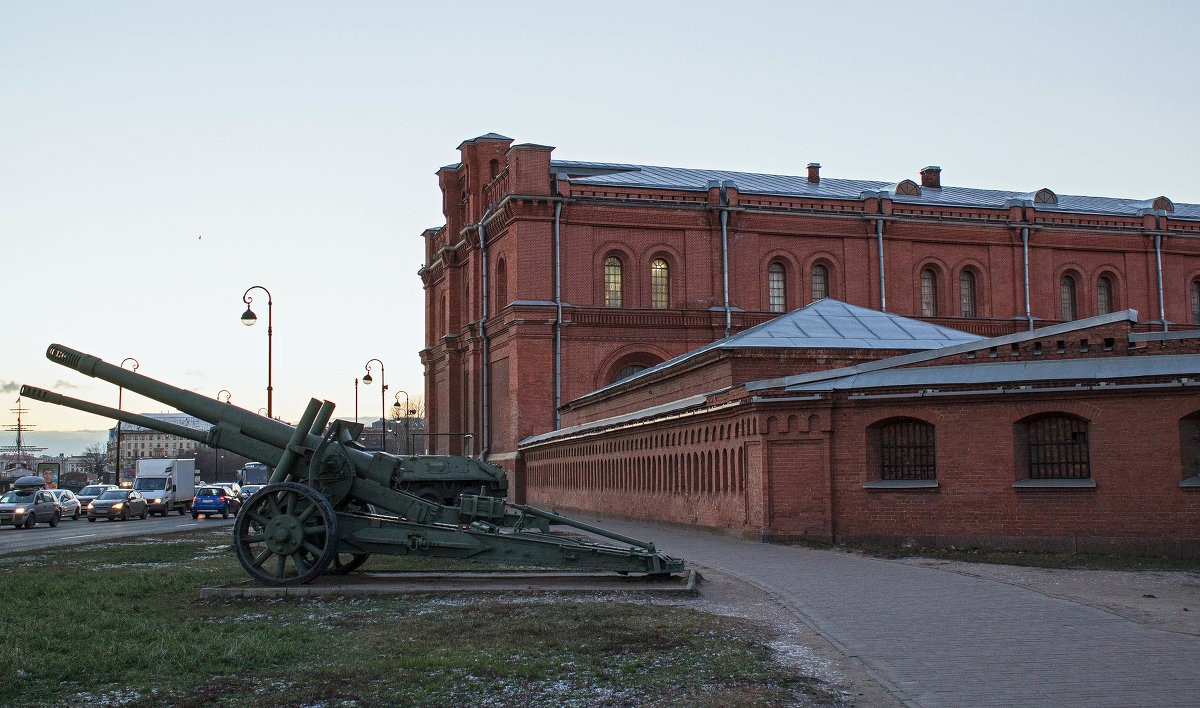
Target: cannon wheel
{"type": "Point", "coordinates": [286, 534]}
{"type": "Point", "coordinates": [346, 562]}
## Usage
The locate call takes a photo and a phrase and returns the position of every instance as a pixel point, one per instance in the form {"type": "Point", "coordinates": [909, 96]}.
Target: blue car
{"type": "Point", "coordinates": [214, 500]}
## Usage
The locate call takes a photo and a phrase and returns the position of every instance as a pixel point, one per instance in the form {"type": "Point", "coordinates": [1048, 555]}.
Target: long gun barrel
{"type": "Point", "coordinates": [327, 493]}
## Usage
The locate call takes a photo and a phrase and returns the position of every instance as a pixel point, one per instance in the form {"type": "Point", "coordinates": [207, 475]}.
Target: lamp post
{"type": "Point", "coordinates": [117, 472]}
{"type": "Point", "coordinates": [355, 399]}
{"type": "Point", "coordinates": [407, 411]}
{"type": "Point", "coordinates": [248, 319]}
{"type": "Point", "coordinates": [366, 379]}
{"type": "Point", "coordinates": [216, 450]}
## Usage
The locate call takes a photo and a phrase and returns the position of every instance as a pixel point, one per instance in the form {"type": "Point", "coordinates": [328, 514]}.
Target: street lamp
{"type": "Point", "coordinates": [248, 319]}
{"type": "Point", "coordinates": [366, 379]}
{"type": "Point", "coordinates": [407, 411]}
{"type": "Point", "coordinates": [355, 399]}
{"type": "Point", "coordinates": [117, 472]}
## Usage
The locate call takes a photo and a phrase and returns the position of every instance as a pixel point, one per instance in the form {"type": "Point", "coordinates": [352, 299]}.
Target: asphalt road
{"type": "Point", "coordinates": [68, 532]}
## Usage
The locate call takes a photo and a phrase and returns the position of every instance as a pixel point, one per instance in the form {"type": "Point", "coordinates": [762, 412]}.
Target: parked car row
{"type": "Point", "coordinates": [25, 508]}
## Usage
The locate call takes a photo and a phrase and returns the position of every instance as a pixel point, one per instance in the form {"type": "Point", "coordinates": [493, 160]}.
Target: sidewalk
{"type": "Point", "coordinates": [938, 637]}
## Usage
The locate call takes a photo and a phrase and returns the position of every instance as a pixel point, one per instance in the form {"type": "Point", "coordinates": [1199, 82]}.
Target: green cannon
{"type": "Point", "coordinates": [330, 503]}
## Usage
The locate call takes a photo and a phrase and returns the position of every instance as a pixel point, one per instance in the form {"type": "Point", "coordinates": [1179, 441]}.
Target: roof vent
{"type": "Point", "coordinates": [908, 188]}
{"type": "Point", "coordinates": [814, 172]}
{"type": "Point", "coordinates": [1161, 203]}
{"type": "Point", "coordinates": [1045, 196]}
{"type": "Point", "coordinates": [931, 177]}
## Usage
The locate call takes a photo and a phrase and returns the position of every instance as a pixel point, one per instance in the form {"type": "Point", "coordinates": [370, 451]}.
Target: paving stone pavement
{"type": "Point", "coordinates": [938, 638]}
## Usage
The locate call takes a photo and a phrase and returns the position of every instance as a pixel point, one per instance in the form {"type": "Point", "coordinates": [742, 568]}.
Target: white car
{"type": "Point", "coordinates": [70, 504]}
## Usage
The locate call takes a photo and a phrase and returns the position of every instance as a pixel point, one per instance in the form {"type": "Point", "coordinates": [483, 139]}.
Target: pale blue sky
{"type": "Point", "coordinates": [300, 141]}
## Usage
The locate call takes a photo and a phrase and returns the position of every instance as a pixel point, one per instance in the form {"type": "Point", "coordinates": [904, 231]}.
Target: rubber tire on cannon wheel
{"type": "Point", "coordinates": [337, 567]}
{"type": "Point", "coordinates": [283, 521]}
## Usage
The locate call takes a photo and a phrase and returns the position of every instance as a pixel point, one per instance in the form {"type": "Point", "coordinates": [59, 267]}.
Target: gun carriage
{"type": "Point", "coordinates": [330, 503]}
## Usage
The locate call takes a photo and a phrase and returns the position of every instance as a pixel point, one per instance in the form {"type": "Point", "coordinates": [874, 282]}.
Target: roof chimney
{"type": "Point", "coordinates": [814, 172]}
{"type": "Point", "coordinates": [931, 177]}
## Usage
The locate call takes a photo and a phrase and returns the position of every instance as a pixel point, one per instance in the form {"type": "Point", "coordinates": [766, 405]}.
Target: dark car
{"type": "Point", "coordinates": [70, 504]}
{"type": "Point", "coordinates": [88, 494]}
{"type": "Point", "coordinates": [118, 504]}
{"type": "Point", "coordinates": [26, 507]}
{"type": "Point", "coordinates": [214, 500]}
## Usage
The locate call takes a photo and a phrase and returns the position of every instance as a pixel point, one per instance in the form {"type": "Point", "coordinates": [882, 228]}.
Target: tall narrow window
{"type": "Point", "coordinates": [1104, 298]}
{"type": "Point", "coordinates": [660, 284]}
{"type": "Point", "coordinates": [1066, 291]}
{"type": "Point", "coordinates": [612, 282]}
{"type": "Point", "coordinates": [820, 282]}
{"type": "Point", "coordinates": [928, 293]}
{"type": "Point", "coordinates": [966, 293]}
{"type": "Point", "coordinates": [1058, 448]}
{"type": "Point", "coordinates": [775, 288]}
{"type": "Point", "coordinates": [1196, 302]}
{"type": "Point", "coordinates": [501, 285]}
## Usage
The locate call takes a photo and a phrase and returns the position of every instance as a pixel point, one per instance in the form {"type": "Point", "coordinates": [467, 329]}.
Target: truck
{"type": "Point", "coordinates": [167, 485]}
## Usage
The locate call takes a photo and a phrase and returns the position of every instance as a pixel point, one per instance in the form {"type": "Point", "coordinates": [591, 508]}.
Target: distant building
{"type": "Point", "coordinates": [138, 442]}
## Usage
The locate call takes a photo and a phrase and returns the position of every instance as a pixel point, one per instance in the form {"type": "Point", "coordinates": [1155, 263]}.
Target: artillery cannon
{"type": "Point", "coordinates": [330, 503]}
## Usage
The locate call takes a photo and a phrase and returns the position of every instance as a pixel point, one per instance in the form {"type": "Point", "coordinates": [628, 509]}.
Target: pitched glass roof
{"type": "Point", "coordinates": [829, 324]}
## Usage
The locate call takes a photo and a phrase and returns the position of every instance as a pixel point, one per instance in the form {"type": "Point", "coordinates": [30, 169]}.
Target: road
{"type": "Point", "coordinates": [935, 637]}
{"type": "Point", "coordinates": [68, 532]}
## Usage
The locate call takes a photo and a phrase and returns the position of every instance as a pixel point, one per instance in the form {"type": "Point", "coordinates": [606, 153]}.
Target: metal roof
{"type": "Point", "coordinates": [1098, 369]}
{"type": "Point", "coordinates": [828, 324]}
{"type": "Point", "coordinates": [651, 176]}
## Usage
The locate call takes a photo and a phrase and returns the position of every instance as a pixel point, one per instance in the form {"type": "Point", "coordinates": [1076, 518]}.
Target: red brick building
{"type": "Point", "coordinates": [567, 276]}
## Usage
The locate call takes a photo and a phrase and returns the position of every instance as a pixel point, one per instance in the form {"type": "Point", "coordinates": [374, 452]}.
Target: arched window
{"type": "Point", "coordinates": [820, 282]}
{"type": "Point", "coordinates": [660, 284]}
{"type": "Point", "coordinates": [493, 169]}
{"type": "Point", "coordinates": [1104, 295]}
{"type": "Point", "coordinates": [906, 450]}
{"type": "Point", "coordinates": [627, 371]}
{"type": "Point", "coordinates": [612, 282]}
{"type": "Point", "coordinates": [1196, 302]}
{"type": "Point", "coordinates": [1057, 446]}
{"type": "Point", "coordinates": [966, 293]}
{"type": "Point", "coordinates": [1066, 292]}
{"type": "Point", "coordinates": [775, 288]}
{"type": "Point", "coordinates": [501, 285]}
{"type": "Point", "coordinates": [928, 293]}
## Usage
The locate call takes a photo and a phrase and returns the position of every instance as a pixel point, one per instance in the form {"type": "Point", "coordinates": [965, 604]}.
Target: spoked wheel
{"type": "Point", "coordinates": [286, 534]}
{"type": "Point", "coordinates": [346, 562]}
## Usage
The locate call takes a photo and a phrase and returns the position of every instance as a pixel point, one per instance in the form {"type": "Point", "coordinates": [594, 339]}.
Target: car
{"type": "Point", "coordinates": [26, 507]}
{"type": "Point", "coordinates": [212, 500]}
{"type": "Point", "coordinates": [235, 491]}
{"type": "Point", "coordinates": [89, 493]}
{"type": "Point", "coordinates": [69, 502]}
{"type": "Point", "coordinates": [248, 490]}
{"type": "Point", "coordinates": [120, 504]}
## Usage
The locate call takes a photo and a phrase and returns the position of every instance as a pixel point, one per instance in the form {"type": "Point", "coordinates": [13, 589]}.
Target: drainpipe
{"type": "Point", "coordinates": [558, 321]}
{"type": "Point", "coordinates": [882, 289]}
{"type": "Point", "coordinates": [1158, 261]}
{"type": "Point", "coordinates": [1025, 259]}
{"type": "Point", "coordinates": [725, 259]}
{"type": "Point", "coordinates": [485, 443]}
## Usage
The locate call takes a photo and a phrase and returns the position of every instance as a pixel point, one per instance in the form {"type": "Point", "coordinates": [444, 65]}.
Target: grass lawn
{"type": "Point", "coordinates": [122, 624]}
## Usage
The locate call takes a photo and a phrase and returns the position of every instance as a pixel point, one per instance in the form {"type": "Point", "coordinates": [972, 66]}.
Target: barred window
{"type": "Point", "coordinates": [1058, 448]}
{"type": "Point", "coordinates": [928, 293]}
{"type": "Point", "coordinates": [660, 284]}
{"type": "Point", "coordinates": [1104, 296]}
{"type": "Point", "coordinates": [966, 293]}
{"type": "Point", "coordinates": [775, 288]}
{"type": "Point", "coordinates": [1196, 302]}
{"type": "Point", "coordinates": [820, 282]}
{"type": "Point", "coordinates": [1066, 292]}
{"type": "Point", "coordinates": [612, 282]}
{"type": "Point", "coordinates": [906, 450]}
